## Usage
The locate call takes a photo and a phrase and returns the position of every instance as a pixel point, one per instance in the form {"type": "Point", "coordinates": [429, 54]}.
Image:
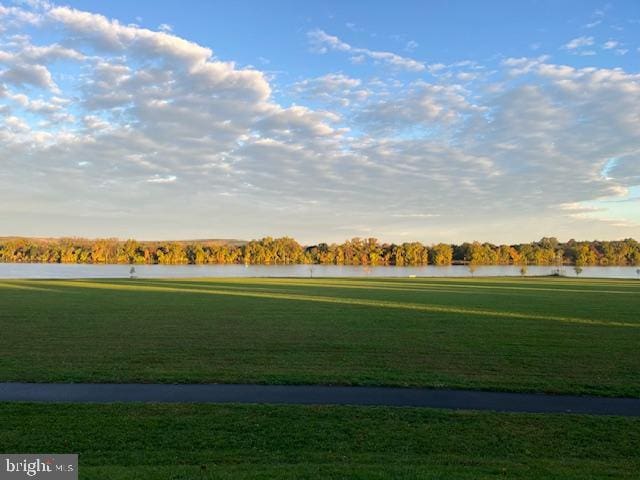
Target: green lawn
{"type": "Point", "coordinates": [159, 442]}
{"type": "Point", "coordinates": [545, 334]}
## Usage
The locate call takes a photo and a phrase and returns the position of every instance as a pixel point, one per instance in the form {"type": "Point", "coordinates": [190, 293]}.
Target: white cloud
{"type": "Point", "coordinates": [615, 46]}
{"type": "Point", "coordinates": [29, 65]}
{"type": "Point", "coordinates": [16, 124]}
{"type": "Point", "coordinates": [411, 45]}
{"type": "Point", "coordinates": [161, 179]}
{"type": "Point", "coordinates": [93, 122]}
{"type": "Point", "coordinates": [283, 122]}
{"type": "Point", "coordinates": [353, 27]}
{"type": "Point", "coordinates": [422, 104]}
{"type": "Point", "coordinates": [19, 70]}
{"type": "Point", "coordinates": [333, 88]}
{"type": "Point", "coordinates": [21, 74]}
{"type": "Point", "coordinates": [17, 16]}
{"type": "Point", "coordinates": [576, 207]}
{"type": "Point", "coordinates": [321, 42]}
{"type": "Point", "coordinates": [156, 123]}
{"type": "Point", "coordinates": [578, 43]}
{"type": "Point", "coordinates": [113, 36]}
{"type": "Point", "coordinates": [49, 53]}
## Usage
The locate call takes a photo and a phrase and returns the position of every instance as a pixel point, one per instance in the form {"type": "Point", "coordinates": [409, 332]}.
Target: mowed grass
{"type": "Point", "coordinates": [518, 334]}
{"type": "Point", "coordinates": [135, 441]}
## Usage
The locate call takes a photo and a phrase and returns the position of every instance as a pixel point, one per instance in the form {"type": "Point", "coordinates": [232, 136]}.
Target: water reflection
{"type": "Point", "coordinates": [54, 270]}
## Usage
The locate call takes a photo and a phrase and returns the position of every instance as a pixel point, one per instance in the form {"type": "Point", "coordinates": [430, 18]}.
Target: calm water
{"type": "Point", "coordinates": [54, 270]}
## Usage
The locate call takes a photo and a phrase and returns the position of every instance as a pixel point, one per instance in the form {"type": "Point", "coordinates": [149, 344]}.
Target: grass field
{"type": "Point", "coordinates": [118, 442]}
{"type": "Point", "coordinates": [531, 334]}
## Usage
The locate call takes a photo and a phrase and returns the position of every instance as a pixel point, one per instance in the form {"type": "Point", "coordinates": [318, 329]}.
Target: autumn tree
{"type": "Point", "coordinates": [441, 254]}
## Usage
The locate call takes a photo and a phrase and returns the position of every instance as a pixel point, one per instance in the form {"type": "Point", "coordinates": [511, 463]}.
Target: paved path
{"type": "Point", "coordinates": [316, 395]}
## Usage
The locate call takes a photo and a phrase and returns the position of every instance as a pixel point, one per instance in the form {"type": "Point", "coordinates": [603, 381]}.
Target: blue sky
{"type": "Point", "coordinates": [431, 121]}
{"type": "Point", "coordinates": [445, 31]}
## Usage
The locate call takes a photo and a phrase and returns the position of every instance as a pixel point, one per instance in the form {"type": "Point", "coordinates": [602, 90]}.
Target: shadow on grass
{"type": "Point", "coordinates": [161, 287]}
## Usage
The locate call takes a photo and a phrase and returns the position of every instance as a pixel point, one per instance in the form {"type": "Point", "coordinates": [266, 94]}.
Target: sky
{"type": "Point", "coordinates": [433, 121]}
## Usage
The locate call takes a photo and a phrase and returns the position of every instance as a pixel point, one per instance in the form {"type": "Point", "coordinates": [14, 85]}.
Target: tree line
{"type": "Point", "coordinates": [285, 251]}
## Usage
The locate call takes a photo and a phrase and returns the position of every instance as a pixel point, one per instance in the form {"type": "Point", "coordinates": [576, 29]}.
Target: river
{"type": "Point", "coordinates": [55, 270]}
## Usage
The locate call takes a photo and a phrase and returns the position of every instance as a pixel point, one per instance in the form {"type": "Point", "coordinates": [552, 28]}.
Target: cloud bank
{"type": "Point", "coordinates": [116, 129]}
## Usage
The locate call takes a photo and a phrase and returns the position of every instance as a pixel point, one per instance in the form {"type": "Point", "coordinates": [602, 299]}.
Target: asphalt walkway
{"type": "Point", "coordinates": [317, 395]}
